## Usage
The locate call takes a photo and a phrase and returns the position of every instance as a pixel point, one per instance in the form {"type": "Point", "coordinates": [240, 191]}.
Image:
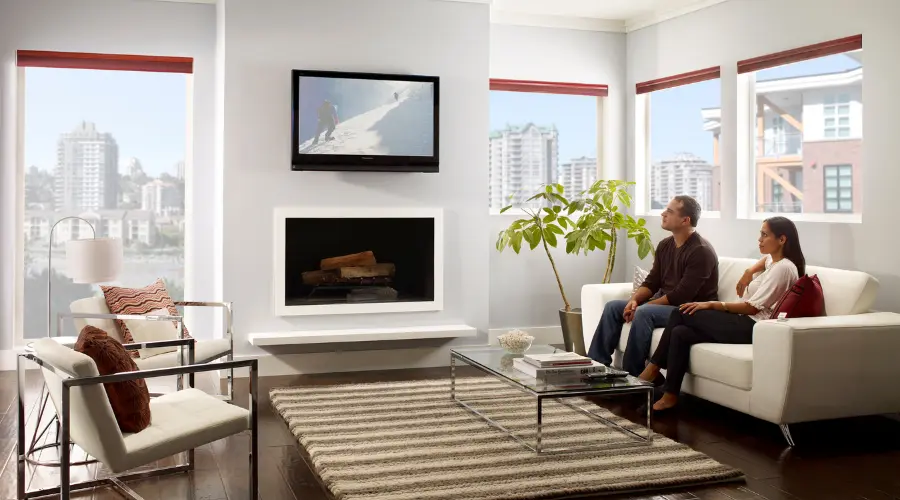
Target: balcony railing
{"type": "Point", "coordinates": [790, 207]}
{"type": "Point", "coordinates": [785, 144]}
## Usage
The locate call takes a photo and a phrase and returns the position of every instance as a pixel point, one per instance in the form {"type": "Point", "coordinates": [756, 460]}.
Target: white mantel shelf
{"type": "Point", "coordinates": [361, 335]}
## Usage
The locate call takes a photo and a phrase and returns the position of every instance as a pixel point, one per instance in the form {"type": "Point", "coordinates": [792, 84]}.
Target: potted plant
{"type": "Point", "coordinates": [598, 224]}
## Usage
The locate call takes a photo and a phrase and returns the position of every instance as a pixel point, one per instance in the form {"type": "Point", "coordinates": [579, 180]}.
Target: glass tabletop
{"type": "Point", "coordinates": [500, 363]}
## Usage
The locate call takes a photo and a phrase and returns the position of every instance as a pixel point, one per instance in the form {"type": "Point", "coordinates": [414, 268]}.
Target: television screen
{"type": "Point", "coordinates": [357, 121]}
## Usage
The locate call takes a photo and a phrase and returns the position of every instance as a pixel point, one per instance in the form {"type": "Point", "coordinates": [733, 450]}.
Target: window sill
{"type": "Point", "coordinates": [704, 215]}
{"type": "Point", "coordinates": [808, 217]}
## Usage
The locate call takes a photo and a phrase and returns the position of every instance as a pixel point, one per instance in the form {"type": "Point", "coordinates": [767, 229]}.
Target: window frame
{"type": "Point", "coordinates": [87, 61]}
{"type": "Point", "coordinates": [747, 182]}
{"type": "Point", "coordinates": [599, 91]}
{"type": "Point", "coordinates": [642, 135]}
{"type": "Point", "coordinates": [837, 167]}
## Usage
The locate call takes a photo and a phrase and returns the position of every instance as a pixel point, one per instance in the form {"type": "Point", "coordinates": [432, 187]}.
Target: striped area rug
{"type": "Point", "coordinates": [410, 441]}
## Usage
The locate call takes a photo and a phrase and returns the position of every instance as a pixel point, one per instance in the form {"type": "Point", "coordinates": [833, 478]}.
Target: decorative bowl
{"type": "Point", "coordinates": [515, 341]}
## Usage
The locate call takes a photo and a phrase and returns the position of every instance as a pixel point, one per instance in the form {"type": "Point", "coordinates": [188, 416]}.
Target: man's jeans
{"type": "Point", "coordinates": [647, 318]}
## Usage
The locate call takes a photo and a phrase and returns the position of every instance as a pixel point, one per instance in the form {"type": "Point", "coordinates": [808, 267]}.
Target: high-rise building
{"type": "Point", "coordinates": [134, 168]}
{"type": "Point", "coordinates": [86, 176]}
{"type": "Point", "coordinates": [685, 174]}
{"type": "Point", "coordinates": [160, 197]}
{"type": "Point", "coordinates": [179, 170]}
{"type": "Point", "coordinates": [577, 174]}
{"type": "Point", "coordinates": [521, 160]}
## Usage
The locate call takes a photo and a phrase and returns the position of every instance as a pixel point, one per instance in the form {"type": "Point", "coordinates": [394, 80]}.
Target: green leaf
{"type": "Point", "coordinates": [549, 237]}
{"type": "Point", "coordinates": [644, 248]}
{"type": "Point", "coordinates": [516, 242]}
{"type": "Point", "coordinates": [504, 209]}
{"type": "Point", "coordinates": [641, 222]}
{"type": "Point", "coordinates": [570, 246]}
{"type": "Point", "coordinates": [555, 229]}
{"type": "Point", "coordinates": [562, 222]}
{"type": "Point", "coordinates": [559, 188]}
{"type": "Point", "coordinates": [548, 188]}
{"type": "Point", "coordinates": [535, 234]}
{"type": "Point", "coordinates": [550, 218]}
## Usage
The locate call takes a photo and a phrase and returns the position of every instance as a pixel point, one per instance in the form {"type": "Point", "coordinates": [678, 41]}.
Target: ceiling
{"type": "Point", "coordinates": [599, 15]}
{"type": "Point", "coordinates": [607, 15]}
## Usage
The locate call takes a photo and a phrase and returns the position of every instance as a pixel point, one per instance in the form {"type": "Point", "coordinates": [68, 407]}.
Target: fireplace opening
{"type": "Point", "coordinates": [358, 260]}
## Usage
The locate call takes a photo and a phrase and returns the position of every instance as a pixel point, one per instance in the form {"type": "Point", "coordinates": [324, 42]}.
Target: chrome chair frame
{"type": "Point", "coordinates": [117, 481]}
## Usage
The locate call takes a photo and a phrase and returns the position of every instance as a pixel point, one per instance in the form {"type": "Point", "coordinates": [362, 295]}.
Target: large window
{"type": "Point", "coordinates": [677, 134]}
{"type": "Point", "coordinates": [804, 129]}
{"type": "Point", "coordinates": [542, 133]}
{"type": "Point", "coordinates": [104, 141]}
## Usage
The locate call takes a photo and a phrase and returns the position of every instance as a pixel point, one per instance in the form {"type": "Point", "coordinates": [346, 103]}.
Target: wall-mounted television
{"type": "Point", "coordinates": [364, 121]}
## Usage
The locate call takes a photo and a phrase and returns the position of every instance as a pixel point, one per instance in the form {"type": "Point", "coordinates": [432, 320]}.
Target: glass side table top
{"type": "Point", "coordinates": [500, 363]}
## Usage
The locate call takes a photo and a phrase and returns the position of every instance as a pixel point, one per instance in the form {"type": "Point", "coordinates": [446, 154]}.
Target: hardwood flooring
{"type": "Point", "coordinates": [849, 459]}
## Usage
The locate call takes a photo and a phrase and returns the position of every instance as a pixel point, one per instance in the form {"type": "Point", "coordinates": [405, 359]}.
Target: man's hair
{"type": "Point", "coordinates": [689, 208]}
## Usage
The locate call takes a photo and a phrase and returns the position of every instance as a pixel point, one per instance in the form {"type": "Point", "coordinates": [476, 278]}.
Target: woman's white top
{"type": "Point", "coordinates": [769, 286]}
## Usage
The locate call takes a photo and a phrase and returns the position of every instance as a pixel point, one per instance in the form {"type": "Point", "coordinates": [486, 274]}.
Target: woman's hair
{"type": "Point", "coordinates": [781, 226]}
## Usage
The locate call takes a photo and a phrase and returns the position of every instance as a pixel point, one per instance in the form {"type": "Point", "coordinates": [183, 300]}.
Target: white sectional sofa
{"type": "Point", "coordinates": [796, 370]}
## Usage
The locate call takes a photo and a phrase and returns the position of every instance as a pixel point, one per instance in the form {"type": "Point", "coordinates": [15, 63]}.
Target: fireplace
{"type": "Point", "coordinates": [335, 261]}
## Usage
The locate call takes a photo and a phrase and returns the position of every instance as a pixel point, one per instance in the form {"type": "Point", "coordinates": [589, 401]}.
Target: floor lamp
{"type": "Point", "coordinates": [94, 260]}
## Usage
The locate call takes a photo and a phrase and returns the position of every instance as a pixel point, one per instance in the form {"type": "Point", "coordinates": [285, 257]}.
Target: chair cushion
{"type": "Point", "coordinates": [130, 400]}
{"type": "Point", "coordinates": [730, 364]}
{"type": "Point", "coordinates": [149, 331]}
{"type": "Point", "coordinates": [183, 420]}
{"type": "Point", "coordinates": [204, 350]}
{"type": "Point", "coordinates": [138, 301]}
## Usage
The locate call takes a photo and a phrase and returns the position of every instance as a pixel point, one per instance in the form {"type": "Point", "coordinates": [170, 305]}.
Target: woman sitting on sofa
{"type": "Point", "coordinates": [729, 323]}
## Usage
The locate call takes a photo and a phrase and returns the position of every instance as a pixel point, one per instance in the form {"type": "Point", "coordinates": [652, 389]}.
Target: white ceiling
{"type": "Point", "coordinates": [601, 15]}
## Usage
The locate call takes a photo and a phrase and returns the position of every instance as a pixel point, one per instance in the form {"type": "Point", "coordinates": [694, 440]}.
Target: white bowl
{"type": "Point", "coordinates": [515, 341]}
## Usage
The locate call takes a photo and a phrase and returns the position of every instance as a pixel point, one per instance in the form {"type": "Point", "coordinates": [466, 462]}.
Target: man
{"type": "Point", "coordinates": [327, 114]}
{"type": "Point", "coordinates": [685, 269]}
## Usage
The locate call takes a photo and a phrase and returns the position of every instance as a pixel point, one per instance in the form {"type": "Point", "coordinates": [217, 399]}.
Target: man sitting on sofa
{"type": "Point", "coordinates": [685, 269]}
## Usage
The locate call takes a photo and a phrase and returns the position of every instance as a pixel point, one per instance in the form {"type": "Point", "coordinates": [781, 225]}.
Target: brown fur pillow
{"type": "Point", "coordinates": [130, 400]}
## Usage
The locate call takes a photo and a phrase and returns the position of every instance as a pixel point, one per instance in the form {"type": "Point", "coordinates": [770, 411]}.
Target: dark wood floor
{"type": "Point", "coordinates": [841, 460]}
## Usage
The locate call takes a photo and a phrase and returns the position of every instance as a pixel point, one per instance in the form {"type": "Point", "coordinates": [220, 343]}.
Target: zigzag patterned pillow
{"type": "Point", "coordinates": [138, 301]}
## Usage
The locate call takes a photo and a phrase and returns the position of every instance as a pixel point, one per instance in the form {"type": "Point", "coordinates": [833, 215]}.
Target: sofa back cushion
{"type": "Point", "coordinates": [846, 292]}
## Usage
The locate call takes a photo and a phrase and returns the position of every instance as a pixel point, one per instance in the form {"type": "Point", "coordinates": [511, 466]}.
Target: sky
{"type": "Point", "coordinates": [575, 117]}
{"type": "Point", "coordinates": [145, 112]}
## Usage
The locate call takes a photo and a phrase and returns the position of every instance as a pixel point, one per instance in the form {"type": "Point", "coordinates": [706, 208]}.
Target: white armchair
{"type": "Point", "coordinates": [181, 421]}
{"type": "Point", "coordinates": [94, 311]}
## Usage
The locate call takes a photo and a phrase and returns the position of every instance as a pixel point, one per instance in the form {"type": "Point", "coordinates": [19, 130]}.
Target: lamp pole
{"type": "Point", "coordinates": [50, 266]}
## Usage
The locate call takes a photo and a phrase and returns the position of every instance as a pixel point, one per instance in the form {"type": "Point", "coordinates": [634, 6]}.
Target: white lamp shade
{"type": "Point", "coordinates": [98, 260]}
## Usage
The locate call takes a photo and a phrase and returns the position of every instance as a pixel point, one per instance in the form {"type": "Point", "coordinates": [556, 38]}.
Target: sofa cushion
{"type": "Point", "coordinates": [730, 364]}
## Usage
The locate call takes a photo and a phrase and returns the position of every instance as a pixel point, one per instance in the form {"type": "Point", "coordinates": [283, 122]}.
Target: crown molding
{"type": "Point", "coordinates": [564, 22]}
{"type": "Point", "coordinates": [661, 15]}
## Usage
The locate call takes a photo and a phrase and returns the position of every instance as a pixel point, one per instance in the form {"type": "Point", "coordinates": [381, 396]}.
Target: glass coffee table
{"type": "Point", "coordinates": [495, 361]}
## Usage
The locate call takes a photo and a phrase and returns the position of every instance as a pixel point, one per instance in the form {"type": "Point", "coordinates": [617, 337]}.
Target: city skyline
{"type": "Point", "coordinates": [59, 100]}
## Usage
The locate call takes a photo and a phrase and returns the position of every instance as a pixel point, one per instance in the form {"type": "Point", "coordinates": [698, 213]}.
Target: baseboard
{"type": "Point", "coordinates": [389, 359]}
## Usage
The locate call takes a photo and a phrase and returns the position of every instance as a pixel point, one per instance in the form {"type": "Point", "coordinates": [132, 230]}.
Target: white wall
{"type": "Point", "coordinates": [523, 290]}
{"type": "Point", "coordinates": [263, 41]}
{"type": "Point", "coordinates": [740, 29]}
{"type": "Point", "coordinates": [109, 26]}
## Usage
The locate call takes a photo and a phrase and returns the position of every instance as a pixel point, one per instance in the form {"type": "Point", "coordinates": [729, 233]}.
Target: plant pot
{"type": "Point", "coordinates": [573, 336]}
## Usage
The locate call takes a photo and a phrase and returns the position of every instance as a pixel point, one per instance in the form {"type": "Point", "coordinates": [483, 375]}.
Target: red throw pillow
{"type": "Point", "coordinates": [138, 301]}
{"type": "Point", "coordinates": [130, 400]}
{"type": "Point", "coordinates": [803, 300]}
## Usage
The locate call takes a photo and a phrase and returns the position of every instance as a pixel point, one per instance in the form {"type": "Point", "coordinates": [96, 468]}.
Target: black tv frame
{"type": "Point", "coordinates": [361, 163]}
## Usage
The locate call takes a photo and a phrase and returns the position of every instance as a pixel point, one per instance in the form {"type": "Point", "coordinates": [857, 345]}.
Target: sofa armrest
{"type": "Point", "coordinates": [594, 299]}
{"type": "Point", "coordinates": [822, 368]}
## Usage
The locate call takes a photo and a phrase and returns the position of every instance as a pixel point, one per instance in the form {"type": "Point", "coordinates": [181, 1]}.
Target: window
{"type": "Point", "coordinates": [542, 133]}
{"type": "Point", "coordinates": [804, 111]}
{"type": "Point", "coordinates": [838, 188]}
{"type": "Point", "coordinates": [104, 140]}
{"type": "Point", "coordinates": [677, 139]}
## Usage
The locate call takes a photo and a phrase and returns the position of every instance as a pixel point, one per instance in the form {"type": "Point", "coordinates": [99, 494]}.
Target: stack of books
{"type": "Point", "coordinates": [556, 365]}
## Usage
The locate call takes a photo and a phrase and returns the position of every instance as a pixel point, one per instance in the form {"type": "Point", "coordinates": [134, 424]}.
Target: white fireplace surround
{"type": "Point", "coordinates": [284, 213]}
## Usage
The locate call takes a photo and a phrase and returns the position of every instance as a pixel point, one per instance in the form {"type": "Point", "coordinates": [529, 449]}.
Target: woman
{"type": "Point", "coordinates": [729, 323]}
